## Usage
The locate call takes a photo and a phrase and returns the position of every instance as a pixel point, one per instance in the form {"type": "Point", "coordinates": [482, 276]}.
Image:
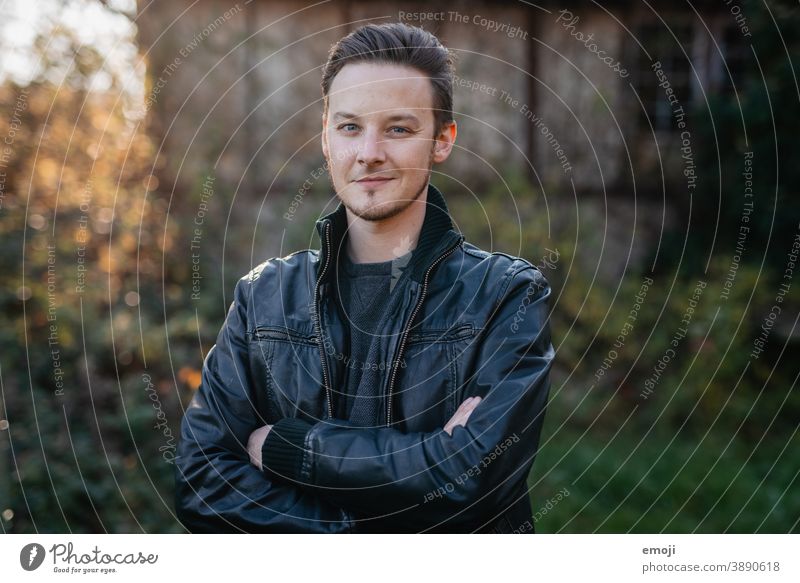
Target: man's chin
{"type": "Point", "coordinates": [378, 212]}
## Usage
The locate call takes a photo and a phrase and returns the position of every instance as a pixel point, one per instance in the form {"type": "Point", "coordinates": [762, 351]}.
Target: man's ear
{"type": "Point", "coordinates": [444, 142]}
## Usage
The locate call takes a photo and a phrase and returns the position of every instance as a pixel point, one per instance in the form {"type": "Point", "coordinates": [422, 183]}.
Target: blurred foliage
{"type": "Point", "coordinates": [84, 240]}
{"type": "Point", "coordinates": [75, 196]}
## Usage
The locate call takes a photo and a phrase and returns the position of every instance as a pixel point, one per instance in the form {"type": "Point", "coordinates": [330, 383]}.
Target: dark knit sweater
{"type": "Point", "coordinates": [363, 291]}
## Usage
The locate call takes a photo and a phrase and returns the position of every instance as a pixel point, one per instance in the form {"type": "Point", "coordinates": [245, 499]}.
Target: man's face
{"type": "Point", "coordinates": [379, 124]}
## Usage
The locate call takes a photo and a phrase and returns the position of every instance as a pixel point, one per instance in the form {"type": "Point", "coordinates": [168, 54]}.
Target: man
{"type": "Point", "coordinates": [396, 379]}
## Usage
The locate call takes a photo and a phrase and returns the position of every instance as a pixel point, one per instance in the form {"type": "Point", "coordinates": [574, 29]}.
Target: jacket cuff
{"type": "Point", "coordinates": [282, 452]}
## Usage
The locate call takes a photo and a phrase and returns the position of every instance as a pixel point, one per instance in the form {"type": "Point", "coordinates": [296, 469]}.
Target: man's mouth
{"type": "Point", "coordinates": [374, 180]}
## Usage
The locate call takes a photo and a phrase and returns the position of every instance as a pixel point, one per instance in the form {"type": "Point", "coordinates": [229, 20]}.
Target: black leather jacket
{"type": "Point", "coordinates": [470, 323]}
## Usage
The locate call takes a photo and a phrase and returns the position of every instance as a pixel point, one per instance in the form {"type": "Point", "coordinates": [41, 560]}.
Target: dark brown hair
{"type": "Point", "coordinates": [398, 44]}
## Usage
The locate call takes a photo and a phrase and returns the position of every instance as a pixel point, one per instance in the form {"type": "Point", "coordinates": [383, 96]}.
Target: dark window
{"type": "Point", "coordinates": [674, 55]}
{"type": "Point", "coordinates": [736, 54]}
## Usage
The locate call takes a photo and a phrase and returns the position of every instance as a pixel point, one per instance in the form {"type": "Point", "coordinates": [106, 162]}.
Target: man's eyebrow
{"type": "Point", "coordinates": [395, 117]}
{"type": "Point", "coordinates": [404, 117]}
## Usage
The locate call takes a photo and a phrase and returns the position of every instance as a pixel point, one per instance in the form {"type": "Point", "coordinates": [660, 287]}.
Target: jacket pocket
{"type": "Point", "coordinates": [288, 362]}
{"type": "Point", "coordinates": [283, 334]}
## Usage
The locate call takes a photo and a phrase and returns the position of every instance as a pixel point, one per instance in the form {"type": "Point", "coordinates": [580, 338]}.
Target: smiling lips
{"type": "Point", "coordinates": [372, 182]}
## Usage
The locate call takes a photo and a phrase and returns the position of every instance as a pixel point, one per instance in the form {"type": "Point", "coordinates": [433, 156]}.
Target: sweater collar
{"type": "Point", "coordinates": [436, 235]}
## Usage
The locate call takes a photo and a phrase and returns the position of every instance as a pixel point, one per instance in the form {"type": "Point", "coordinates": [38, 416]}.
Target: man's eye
{"type": "Point", "coordinates": [402, 130]}
{"type": "Point", "coordinates": [347, 127]}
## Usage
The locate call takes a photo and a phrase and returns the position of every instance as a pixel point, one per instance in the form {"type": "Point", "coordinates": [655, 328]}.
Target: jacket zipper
{"type": "Point", "coordinates": [318, 323]}
{"type": "Point", "coordinates": [408, 329]}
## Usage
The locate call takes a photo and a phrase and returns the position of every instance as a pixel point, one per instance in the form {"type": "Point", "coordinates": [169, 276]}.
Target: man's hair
{"type": "Point", "coordinates": [398, 44]}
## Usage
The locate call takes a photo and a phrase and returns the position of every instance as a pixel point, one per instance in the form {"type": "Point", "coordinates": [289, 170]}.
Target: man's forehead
{"type": "Point", "coordinates": [381, 89]}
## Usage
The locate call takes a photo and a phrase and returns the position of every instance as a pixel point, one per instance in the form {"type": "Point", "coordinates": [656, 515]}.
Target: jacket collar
{"type": "Point", "coordinates": [436, 235]}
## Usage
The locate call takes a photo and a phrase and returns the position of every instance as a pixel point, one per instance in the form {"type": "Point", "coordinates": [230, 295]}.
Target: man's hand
{"type": "Point", "coordinates": [462, 414]}
{"type": "Point", "coordinates": [255, 443]}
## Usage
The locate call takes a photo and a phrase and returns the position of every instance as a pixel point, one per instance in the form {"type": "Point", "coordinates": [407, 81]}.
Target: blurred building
{"type": "Point", "coordinates": [568, 94]}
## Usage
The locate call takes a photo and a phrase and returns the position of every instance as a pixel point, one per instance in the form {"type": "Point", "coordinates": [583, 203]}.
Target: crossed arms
{"type": "Point", "coordinates": [409, 480]}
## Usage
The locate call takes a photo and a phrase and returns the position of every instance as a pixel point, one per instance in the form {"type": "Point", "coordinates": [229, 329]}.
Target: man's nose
{"type": "Point", "coordinates": [371, 149]}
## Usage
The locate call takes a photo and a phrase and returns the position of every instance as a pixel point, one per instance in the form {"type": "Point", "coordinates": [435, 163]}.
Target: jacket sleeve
{"type": "Point", "coordinates": [425, 480]}
{"type": "Point", "coordinates": [217, 488]}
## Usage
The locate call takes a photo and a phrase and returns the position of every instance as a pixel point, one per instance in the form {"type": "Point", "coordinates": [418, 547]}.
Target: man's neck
{"type": "Point", "coordinates": [378, 241]}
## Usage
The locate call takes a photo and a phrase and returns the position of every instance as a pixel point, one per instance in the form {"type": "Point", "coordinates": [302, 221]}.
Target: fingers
{"type": "Point", "coordinates": [470, 403]}
{"type": "Point", "coordinates": [470, 407]}
{"type": "Point", "coordinates": [462, 414]}
{"type": "Point", "coordinates": [254, 444]}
